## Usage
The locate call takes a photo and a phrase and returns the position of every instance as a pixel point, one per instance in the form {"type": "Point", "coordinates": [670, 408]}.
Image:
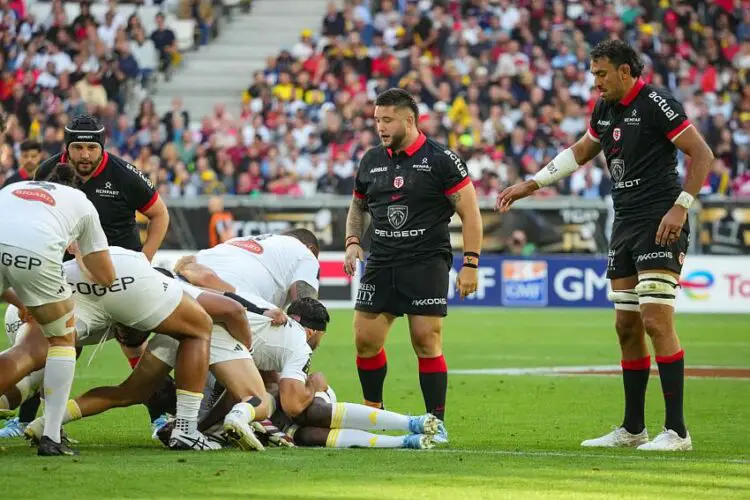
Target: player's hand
{"type": "Point", "coordinates": [671, 226]}
{"type": "Point", "coordinates": [277, 316]}
{"type": "Point", "coordinates": [353, 253]}
{"type": "Point", "coordinates": [318, 382]}
{"type": "Point", "coordinates": [182, 262]}
{"type": "Point", "coordinates": [466, 282]}
{"type": "Point", "coordinates": [24, 315]}
{"type": "Point", "coordinates": [513, 193]}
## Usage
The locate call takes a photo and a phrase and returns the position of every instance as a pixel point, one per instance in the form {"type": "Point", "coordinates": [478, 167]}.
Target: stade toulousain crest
{"type": "Point", "coordinates": [398, 182]}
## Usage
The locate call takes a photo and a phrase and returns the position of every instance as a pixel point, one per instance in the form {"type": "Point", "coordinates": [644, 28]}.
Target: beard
{"type": "Point", "coordinates": [85, 168]}
{"type": "Point", "coordinates": [397, 140]}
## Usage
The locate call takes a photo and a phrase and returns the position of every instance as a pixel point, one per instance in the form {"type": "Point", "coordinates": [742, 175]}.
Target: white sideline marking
{"type": "Point", "coordinates": [601, 370]}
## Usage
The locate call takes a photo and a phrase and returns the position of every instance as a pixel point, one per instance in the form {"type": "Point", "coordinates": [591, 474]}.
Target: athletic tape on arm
{"type": "Point", "coordinates": [560, 167]}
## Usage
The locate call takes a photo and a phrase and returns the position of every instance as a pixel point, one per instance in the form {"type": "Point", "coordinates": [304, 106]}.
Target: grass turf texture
{"type": "Point", "coordinates": [511, 436]}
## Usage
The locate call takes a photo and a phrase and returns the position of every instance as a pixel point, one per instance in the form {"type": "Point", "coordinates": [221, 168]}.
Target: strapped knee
{"type": "Point", "coordinates": [62, 326]}
{"type": "Point", "coordinates": [624, 300]}
{"type": "Point", "coordinates": [657, 288]}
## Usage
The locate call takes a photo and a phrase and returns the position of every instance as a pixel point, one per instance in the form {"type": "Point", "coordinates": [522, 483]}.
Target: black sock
{"type": "Point", "coordinates": [163, 400]}
{"type": "Point", "coordinates": [433, 379]}
{"type": "Point", "coordinates": [27, 410]}
{"type": "Point", "coordinates": [672, 374]}
{"type": "Point", "coordinates": [372, 373]}
{"type": "Point", "coordinates": [635, 379]}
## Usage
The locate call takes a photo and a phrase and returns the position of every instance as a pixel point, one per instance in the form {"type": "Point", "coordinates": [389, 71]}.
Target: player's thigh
{"type": "Point", "coordinates": [189, 319]}
{"type": "Point", "coordinates": [240, 378]}
{"type": "Point", "coordinates": [421, 289]}
{"type": "Point", "coordinates": [375, 289]}
{"type": "Point", "coordinates": [426, 335]}
{"type": "Point", "coordinates": [145, 379]}
{"type": "Point", "coordinates": [620, 264]}
{"type": "Point", "coordinates": [370, 331]}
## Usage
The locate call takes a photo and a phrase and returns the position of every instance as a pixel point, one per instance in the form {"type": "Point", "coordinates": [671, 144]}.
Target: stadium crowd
{"type": "Point", "coordinates": [503, 82]}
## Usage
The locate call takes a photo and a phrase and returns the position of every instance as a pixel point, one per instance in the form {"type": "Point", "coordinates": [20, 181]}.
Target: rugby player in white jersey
{"type": "Point", "coordinates": [142, 299]}
{"type": "Point", "coordinates": [229, 361]}
{"type": "Point", "coordinates": [284, 356]}
{"type": "Point", "coordinates": [277, 267]}
{"type": "Point", "coordinates": [40, 220]}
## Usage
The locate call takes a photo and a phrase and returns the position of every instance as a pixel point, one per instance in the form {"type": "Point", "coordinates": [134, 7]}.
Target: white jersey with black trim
{"type": "Point", "coordinates": [264, 266]}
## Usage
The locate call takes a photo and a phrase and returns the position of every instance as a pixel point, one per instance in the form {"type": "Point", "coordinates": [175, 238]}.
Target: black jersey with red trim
{"type": "Point", "coordinates": [407, 196]}
{"type": "Point", "coordinates": [117, 189]}
{"type": "Point", "coordinates": [637, 137]}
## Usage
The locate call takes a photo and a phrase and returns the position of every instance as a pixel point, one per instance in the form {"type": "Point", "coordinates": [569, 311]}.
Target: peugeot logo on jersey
{"type": "Point", "coordinates": [397, 215]}
{"type": "Point", "coordinates": [398, 182]}
{"type": "Point", "coordinates": [617, 169]}
{"type": "Point", "coordinates": [616, 133]}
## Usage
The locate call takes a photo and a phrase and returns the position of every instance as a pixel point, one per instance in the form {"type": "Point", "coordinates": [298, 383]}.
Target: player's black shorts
{"type": "Point", "coordinates": [417, 289]}
{"type": "Point", "coordinates": [633, 249]}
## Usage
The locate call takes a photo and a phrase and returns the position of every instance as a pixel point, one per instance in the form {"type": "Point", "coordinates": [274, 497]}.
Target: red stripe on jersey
{"type": "Point", "coordinates": [100, 168]}
{"type": "Point", "coordinates": [674, 133]}
{"type": "Point", "coordinates": [23, 174]}
{"type": "Point", "coordinates": [414, 146]}
{"type": "Point", "coordinates": [150, 203]}
{"type": "Point", "coordinates": [466, 180]}
{"type": "Point", "coordinates": [630, 96]}
{"type": "Point", "coordinates": [593, 132]}
{"type": "Point", "coordinates": [636, 364]}
{"type": "Point", "coordinates": [358, 195]}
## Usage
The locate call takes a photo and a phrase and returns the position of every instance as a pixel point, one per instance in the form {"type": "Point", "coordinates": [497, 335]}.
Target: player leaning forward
{"type": "Point", "coordinates": [639, 127]}
{"type": "Point", "coordinates": [41, 219]}
{"type": "Point", "coordinates": [410, 186]}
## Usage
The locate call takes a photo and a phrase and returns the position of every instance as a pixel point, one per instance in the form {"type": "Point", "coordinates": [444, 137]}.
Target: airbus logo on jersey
{"type": "Point", "coordinates": [603, 123]}
{"type": "Point", "coordinates": [663, 105]}
{"type": "Point", "coordinates": [377, 170]}
{"type": "Point", "coordinates": [107, 192]}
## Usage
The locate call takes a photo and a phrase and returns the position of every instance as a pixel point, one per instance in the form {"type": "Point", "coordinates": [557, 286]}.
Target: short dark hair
{"type": "Point", "coordinates": [64, 174]}
{"type": "Point", "coordinates": [311, 312]}
{"type": "Point", "coordinates": [619, 53]}
{"type": "Point", "coordinates": [31, 145]}
{"type": "Point", "coordinates": [398, 98]}
{"type": "Point", "coordinates": [305, 236]}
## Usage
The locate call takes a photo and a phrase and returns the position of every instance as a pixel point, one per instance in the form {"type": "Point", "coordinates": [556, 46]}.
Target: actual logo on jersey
{"type": "Point", "coordinates": [397, 215]}
{"type": "Point", "coordinates": [35, 195]}
{"type": "Point", "coordinates": [140, 174]}
{"type": "Point", "coordinates": [249, 245]}
{"type": "Point", "coordinates": [616, 133]}
{"type": "Point", "coordinates": [617, 169]}
{"type": "Point", "coordinates": [663, 104]}
{"type": "Point", "coordinates": [398, 182]}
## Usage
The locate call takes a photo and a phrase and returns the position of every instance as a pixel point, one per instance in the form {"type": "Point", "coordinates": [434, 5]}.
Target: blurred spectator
{"type": "Point", "coordinates": [220, 226]}
{"type": "Point", "coordinates": [518, 244]}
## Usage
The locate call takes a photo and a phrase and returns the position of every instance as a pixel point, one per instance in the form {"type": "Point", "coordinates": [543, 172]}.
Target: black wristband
{"type": "Point", "coordinates": [471, 254]}
{"type": "Point", "coordinates": [352, 243]}
{"type": "Point", "coordinates": [245, 303]}
{"type": "Point", "coordinates": [473, 266]}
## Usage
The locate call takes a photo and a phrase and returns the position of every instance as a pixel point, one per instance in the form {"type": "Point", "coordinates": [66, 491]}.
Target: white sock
{"type": "Point", "coordinates": [246, 410]}
{"type": "Point", "coordinates": [354, 416]}
{"type": "Point", "coordinates": [349, 438]}
{"type": "Point", "coordinates": [28, 385]}
{"type": "Point", "coordinates": [188, 406]}
{"type": "Point", "coordinates": [58, 379]}
{"type": "Point", "coordinates": [4, 403]}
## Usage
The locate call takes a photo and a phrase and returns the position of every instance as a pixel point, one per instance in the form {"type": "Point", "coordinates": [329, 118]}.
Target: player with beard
{"type": "Point", "coordinates": [410, 186]}
{"type": "Point", "coordinates": [31, 152]}
{"type": "Point", "coordinates": [117, 189]}
{"type": "Point", "coordinates": [639, 127]}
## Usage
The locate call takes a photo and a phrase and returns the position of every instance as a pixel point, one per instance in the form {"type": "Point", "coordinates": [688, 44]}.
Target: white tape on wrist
{"type": "Point", "coordinates": [562, 166]}
{"type": "Point", "coordinates": [685, 199]}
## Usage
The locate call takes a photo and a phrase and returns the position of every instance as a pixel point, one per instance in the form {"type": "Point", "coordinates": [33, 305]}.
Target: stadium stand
{"type": "Point", "coordinates": [505, 83]}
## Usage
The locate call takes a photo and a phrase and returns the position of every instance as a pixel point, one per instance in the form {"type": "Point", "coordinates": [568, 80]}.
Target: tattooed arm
{"type": "Point", "coordinates": [465, 204]}
{"type": "Point", "coordinates": [357, 218]}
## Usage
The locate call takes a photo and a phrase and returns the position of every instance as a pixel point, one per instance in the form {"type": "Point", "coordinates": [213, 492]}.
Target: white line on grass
{"type": "Point", "coordinates": [601, 370]}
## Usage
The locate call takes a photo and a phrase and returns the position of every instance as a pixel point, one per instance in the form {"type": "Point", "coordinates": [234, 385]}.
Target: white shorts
{"type": "Point", "coordinates": [223, 348]}
{"type": "Point", "coordinates": [149, 303]}
{"type": "Point", "coordinates": [36, 280]}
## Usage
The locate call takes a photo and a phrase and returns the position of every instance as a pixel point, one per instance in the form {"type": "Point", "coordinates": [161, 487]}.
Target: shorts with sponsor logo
{"type": "Point", "coordinates": [633, 249]}
{"type": "Point", "coordinates": [223, 348]}
{"type": "Point", "coordinates": [37, 280]}
{"type": "Point", "coordinates": [419, 289]}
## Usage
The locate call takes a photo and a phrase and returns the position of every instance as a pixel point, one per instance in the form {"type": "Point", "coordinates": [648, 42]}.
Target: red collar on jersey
{"type": "Point", "coordinates": [23, 174]}
{"type": "Point", "coordinates": [414, 146]}
{"type": "Point", "coordinates": [639, 84]}
{"type": "Point", "coordinates": [99, 169]}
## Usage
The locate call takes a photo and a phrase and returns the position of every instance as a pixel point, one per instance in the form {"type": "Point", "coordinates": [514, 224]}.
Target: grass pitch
{"type": "Point", "coordinates": [512, 436]}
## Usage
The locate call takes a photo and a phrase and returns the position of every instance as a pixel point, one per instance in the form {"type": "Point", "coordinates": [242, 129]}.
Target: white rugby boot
{"type": "Point", "coordinates": [668, 440]}
{"type": "Point", "coordinates": [238, 431]}
{"type": "Point", "coordinates": [618, 438]}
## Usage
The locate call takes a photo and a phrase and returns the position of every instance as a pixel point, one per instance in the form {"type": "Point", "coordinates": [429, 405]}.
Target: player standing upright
{"type": "Point", "coordinates": [410, 186]}
{"type": "Point", "coordinates": [48, 217]}
{"type": "Point", "coordinates": [31, 152]}
{"type": "Point", "coordinates": [639, 127]}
